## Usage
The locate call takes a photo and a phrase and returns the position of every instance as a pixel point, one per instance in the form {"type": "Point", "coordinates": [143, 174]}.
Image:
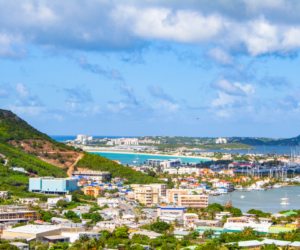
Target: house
{"type": "Point", "coordinates": [109, 202]}
{"type": "Point", "coordinates": [239, 223]}
{"type": "Point", "coordinates": [52, 201]}
{"type": "Point", "coordinates": [150, 234]}
{"type": "Point", "coordinates": [20, 245]}
{"type": "Point", "coordinates": [226, 184]}
{"type": "Point", "coordinates": [92, 191]}
{"type": "Point", "coordinates": [220, 215]}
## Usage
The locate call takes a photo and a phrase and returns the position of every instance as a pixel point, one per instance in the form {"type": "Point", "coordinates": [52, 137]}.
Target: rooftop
{"type": "Point", "coordinates": [33, 229]}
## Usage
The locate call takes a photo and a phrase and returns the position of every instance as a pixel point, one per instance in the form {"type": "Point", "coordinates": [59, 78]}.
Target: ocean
{"type": "Point", "coordinates": [142, 158]}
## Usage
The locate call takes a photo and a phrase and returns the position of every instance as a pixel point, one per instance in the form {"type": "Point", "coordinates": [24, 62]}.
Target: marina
{"type": "Point", "coordinates": [272, 201]}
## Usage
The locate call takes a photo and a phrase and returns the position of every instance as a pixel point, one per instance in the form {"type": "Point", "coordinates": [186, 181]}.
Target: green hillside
{"type": "Point", "coordinates": [13, 127]}
{"type": "Point", "coordinates": [100, 163]}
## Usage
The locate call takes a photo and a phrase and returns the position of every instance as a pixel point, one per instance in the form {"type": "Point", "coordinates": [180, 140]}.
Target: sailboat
{"type": "Point", "coordinates": [285, 201]}
{"type": "Point", "coordinates": [136, 159]}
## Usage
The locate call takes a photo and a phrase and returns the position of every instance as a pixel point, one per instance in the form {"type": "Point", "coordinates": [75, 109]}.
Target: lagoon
{"type": "Point", "coordinates": [127, 158]}
{"type": "Point", "coordinates": [267, 201]}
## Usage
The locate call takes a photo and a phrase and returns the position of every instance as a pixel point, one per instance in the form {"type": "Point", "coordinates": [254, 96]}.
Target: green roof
{"type": "Point", "coordinates": [290, 213]}
{"type": "Point", "coordinates": [273, 230]}
{"type": "Point", "coordinates": [208, 228]}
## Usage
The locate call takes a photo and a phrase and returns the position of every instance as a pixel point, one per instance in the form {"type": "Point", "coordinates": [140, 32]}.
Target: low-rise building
{"type": "Point", "coordinates": [52, 185]}
{"type": "Point", "coordinates": [16, 216]}
{"type": "Point", "coordinates": [109, 202]}
{"type": "Point", "coordinates": [239, 223]}
{"type": "Point", "coordinates": [92, 191]}
{"type": "Point", "coordinates": [52, 201]}
{"type": "Point", "coordinates": [226, 184]}
{"type": "Point", "coordinates": [93, 175]}
{"type": "Point", "coordinates": [29, 200]}
{"type": "Point", "coordinates": [197, 201]}
{"type": "Point", "coordinates": [178, 210]}
{"type": "Point", "coordinates": [3, 194]}
{"type": "Point", "coordinates": [37, 232]}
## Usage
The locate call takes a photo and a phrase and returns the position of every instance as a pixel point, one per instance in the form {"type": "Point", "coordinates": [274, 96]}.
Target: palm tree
{"type": "Point", "coordinates": [121, 215]}
{"type": "Point", "coordinates": [176, 223]}
{"type": "Point", "coordinates": [248, 231]}
{"type": "Point", "coordinates": [208, 234]}
{"type": "Point", "coordinates": [136, 219]}
{"type": "Point", "coordinates": [84, 238]}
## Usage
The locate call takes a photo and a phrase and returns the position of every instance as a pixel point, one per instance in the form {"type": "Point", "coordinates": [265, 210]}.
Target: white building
{"type": "Point", "coordinates": [162, 188]}
{"type": "Point", "coordinates": [30, 200]}
{"type": "Point", "coordinates": [52, 201]}
{"type": "Point", "coordinates": [221, 141]}
{"type": "Point", "coordinates": [172, 163]}
{"type": "Point", "coordinates": [109, 202]}
{"type": "Point", "coordinates": [240, 223]}
{"type": "Point", "coordinates": [226, 184]}
{"type": "Point", "coordinates": [182, 170]}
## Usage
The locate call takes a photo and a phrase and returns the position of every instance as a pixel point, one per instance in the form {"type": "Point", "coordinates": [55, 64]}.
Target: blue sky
{"type": "Point", "coordinates": [198, 68]}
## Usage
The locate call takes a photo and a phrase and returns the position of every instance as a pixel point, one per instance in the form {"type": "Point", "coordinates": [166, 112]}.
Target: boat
{"type": "Point", "coordinates": [277, 186]}
{"type": "Point", "coordinates": [285, 201]}
{"type": "Point", "coordinates": [136, 159]}
{"type": "Point", "coordinates": [242, 196]}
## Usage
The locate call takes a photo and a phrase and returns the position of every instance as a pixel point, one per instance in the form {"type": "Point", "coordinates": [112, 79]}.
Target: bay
{"type": "Point", "coordinates": [267, 201]}
{"type": "Point", "coordinates": [126, 158]}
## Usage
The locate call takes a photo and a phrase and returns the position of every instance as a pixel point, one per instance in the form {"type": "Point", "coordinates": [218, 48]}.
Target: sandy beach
{"type": "Point", "coordinates": [131, 152]}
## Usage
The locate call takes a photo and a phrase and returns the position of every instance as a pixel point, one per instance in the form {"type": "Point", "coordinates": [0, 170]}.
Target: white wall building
{"type": "Point", "coordinates": [182, 170]}
{"type": "Point", "coordinates": [239, 223]}
{"type": "Point", "coordinates": [109, 202]}
{"type": "Point", "coordinates": [221, 141]}
{"type": "Point", "coordinates": [53, 201]}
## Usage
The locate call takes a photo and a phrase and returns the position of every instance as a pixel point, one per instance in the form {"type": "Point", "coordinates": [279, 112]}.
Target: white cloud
{"type": "Point", "coordinates": [220, 56]}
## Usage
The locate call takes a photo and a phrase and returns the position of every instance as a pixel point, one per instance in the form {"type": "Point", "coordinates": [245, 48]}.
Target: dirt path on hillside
{"type": "Point", "coordinates": [71, 168]}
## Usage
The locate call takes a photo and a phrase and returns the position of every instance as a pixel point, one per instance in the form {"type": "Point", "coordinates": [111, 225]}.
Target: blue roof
{"type": "Point", "coordinates": [101, 185]}
{"type": "Point", "coordinates": [95, 183]}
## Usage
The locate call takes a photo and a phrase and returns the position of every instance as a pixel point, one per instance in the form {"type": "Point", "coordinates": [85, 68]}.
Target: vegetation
{"type": "Point", "coordinates": [13, 127]}
{"type": "Point", "coordinates": [97, 162]}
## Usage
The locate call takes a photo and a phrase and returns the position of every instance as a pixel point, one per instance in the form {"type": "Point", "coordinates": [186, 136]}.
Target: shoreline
{"type": "Point", "coordinates": [134, 153]}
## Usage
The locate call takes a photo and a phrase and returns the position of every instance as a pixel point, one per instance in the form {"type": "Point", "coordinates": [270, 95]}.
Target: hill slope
{"type": "Point", "coordinates": [25, 146]}
{"type": "Point", "coordinates": [295, 141]}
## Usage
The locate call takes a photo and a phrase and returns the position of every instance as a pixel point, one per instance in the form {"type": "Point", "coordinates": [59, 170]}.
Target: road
{"type": "Point", "coordinates": [127, 206]}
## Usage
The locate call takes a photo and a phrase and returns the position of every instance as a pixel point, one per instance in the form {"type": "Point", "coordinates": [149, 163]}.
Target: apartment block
{"type": "Point", "coordinates": [197, 201]}
{"type": "Point", "coordinates": [172, 194]}
{"type": "Point", "coordinates": [162, 188]}
{"type": "Point", "coordinates": [147, 195]}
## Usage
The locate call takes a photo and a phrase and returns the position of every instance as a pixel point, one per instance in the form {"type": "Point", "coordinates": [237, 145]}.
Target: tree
{"type": "Point", "coordinates": [151, 173]}
{"type": "Point", "coordinates": [61, 203]}
{"type": "Point", "coordinates": [122, 232]}
{"type": "Point", "coordinates": [8, 247]}
{"type": "Point", "coordinates": [208, 233]}
{"type": "Point", "coordinates": [248, 231]}
{"type": "Point", "coordinates": [136, 219]}
{"type": "Point", "coordinates": [71, 215]}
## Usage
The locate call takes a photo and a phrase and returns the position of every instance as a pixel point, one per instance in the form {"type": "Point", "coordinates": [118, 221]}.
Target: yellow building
{"type": "Point", "coordinates": [92, 191]}
{"type": "Point", "coordinates": [291, 225]}
{"type": "Point", "coordinates": [172, 194]}
{"type": "Point", "coordinates": [147, 195]}
{"type": "Point", "coordinates": [199, 201]}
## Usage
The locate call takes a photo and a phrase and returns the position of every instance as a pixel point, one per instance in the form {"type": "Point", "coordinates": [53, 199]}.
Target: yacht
{"type": "Point", "coordinates": [285, 201]}
{"type": "Point", "coordinates": [277, 186]}
{"type": "Point", "coordinates": [242, 196]}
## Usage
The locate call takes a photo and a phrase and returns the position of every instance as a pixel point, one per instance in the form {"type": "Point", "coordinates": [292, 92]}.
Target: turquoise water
{"type": "Point", "coordinates": [129, 158]}
{"type": "Point", "coordinates": [267, 201]}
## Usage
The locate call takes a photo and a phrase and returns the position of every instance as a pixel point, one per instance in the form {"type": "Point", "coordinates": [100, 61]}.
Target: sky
{"type": "Point", "coordinates": [137, 68]}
